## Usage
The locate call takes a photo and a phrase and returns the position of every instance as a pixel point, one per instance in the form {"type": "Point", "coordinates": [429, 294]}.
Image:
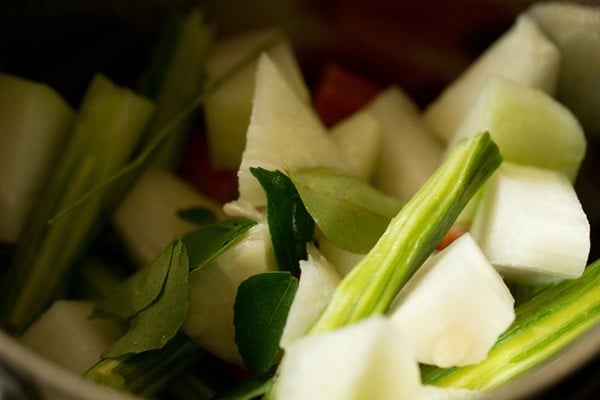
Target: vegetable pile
{"type": "Point", "coordinates": [220, 232]}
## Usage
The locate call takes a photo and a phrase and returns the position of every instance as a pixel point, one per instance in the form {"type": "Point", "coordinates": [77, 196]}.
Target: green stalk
{"type": "Point", "coordinates": [107, 128]}
{"type": "Point", "coordinates": [147, 373]}
{"type": "Point", "coordinates": [544, 325]}
{"type": "Point", "coordinates": [412, 235]}
{"type": "Point", "coordinates": [175, 75]}
{"type": "Point", "coordinates": [163, 133]}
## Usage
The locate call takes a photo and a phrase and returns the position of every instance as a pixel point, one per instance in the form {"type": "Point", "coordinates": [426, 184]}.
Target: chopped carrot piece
{"type": "Point", "coordinates": [196, 168]}
{"type": "Point", "coordinates": [454, 233]}
{"type": "Point", "coordinates": [341, 92]}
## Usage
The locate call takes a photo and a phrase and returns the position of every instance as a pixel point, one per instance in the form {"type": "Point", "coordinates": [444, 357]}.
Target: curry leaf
{"type": "Point", "coordinates": [261, 308]}
{"type": "Point", "coordinates": [291, 226]}
{"type": "Point", "coordinates": [158, 323]}
{"type": "Point", "coordinates": [205, 243]}
{"type": "Point", "coordinates": [139, 290]}
{"type": "Point", "coordinates": [351, 213]}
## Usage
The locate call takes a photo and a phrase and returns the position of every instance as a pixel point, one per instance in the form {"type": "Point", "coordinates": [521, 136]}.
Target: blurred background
{"type": "Point", "coordinates": [419, 44]}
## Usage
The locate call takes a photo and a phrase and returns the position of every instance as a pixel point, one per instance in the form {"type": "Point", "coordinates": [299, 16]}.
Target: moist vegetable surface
{"type": "Point", "coordinates": [227, 227]}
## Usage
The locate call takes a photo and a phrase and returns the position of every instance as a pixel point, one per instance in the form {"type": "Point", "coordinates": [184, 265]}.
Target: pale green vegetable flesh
{"type": "Point", "coordinates": [35, 123]}
{"type": "Point", "coordinates": [531, 225]}
{"type": "Point", "coordinates": [575, 29]}
{"type": "Point", "coordinates": [523, 54]}
{"type": "Point", "coordinates": [227, 109]}
{"type": "Point", "coordinates": [362, 361]}
{"type": "Point", "coordinates": [284, 134]}
{"type": "Point", "coordinates": [412, 235]}
{"type": "Point", "coordinates": [147, 227]}
{"type": "Point", "coordinates": [359, 140]}
{"type": "Point", "coordinates": [409, 153]}
{"type": "Point", "coordinates": [318, 281]}
{"type": "Point", "coordinates": [455, 306]}
{"type": "Point", "coordinates": [528, 125]}
{"type": "Point", "coordinates": [67, 335]}
{"type": "Point", "coordinates": [342, 260]}
{"type": "Point", "coordinates": [544, 325]}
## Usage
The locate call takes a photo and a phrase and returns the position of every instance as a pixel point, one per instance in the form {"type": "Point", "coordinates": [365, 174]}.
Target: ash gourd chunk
{"type": "Point", "coordinates": [454, 307]}
{"type": "Point", "coordinates": [318, 280]}
{"type": "Point", "coordinates": [228, 108]}
{"type": "Point", "coordinates": [531, 226]}
{"type": "Point", "coordinates": [147, 227]}
{"type": "Point", "coordinates": [366, 360]}
{"type": "Point", "coordinates": [363, 360]}
{"type": "Point", "coordinates": [523, 54]}
{"type": "Point", "coordinates": [359, 140]}
{"type": "Point", "coordinates": [35, 122]}
{"type": "Point", "coordinates": [575, 29]}
{"type": "Point", "coordinates": [284, 134]}
{"type": "Point", "coordinates": [67, 334]}
{"type": "Point", "coordinates": [528, 125]}
{"type": "Point", "coordinates": [530, 128]}
{"type": "Point", "coordinates": [409, 153]}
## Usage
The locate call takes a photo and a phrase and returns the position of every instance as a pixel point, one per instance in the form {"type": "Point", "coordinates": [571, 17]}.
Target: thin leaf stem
{"type": "Point", "coordinates": [187, 110]}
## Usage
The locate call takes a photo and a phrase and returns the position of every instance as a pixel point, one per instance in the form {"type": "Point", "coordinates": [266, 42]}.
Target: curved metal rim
{"type": "Point", "coordinates": [51, 377]}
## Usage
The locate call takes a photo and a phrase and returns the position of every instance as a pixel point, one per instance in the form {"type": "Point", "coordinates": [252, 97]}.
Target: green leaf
{"type": "Point", "coordinates": [351, 213]}
{"type": "Point", "coordinates": [158, 323]}
{"type": "Point", "coordinates": [260, 312]}
{"type": "Point", "coordinates": [197, 215]}
{"type": "Point", "coordinates": [139, 290]}
{"type": "Point", "coordinates": [205, 243]}
{"type": "Point", "coordinates": [291, 226]}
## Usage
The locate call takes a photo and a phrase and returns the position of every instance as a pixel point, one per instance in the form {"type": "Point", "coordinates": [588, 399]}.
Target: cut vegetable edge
{"type": "Point", "coordinates": [544, 326]}
{"type": "Point", "coordinates": [454, 307]}
{"type": "Point", "coordinates": [523, 53]}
